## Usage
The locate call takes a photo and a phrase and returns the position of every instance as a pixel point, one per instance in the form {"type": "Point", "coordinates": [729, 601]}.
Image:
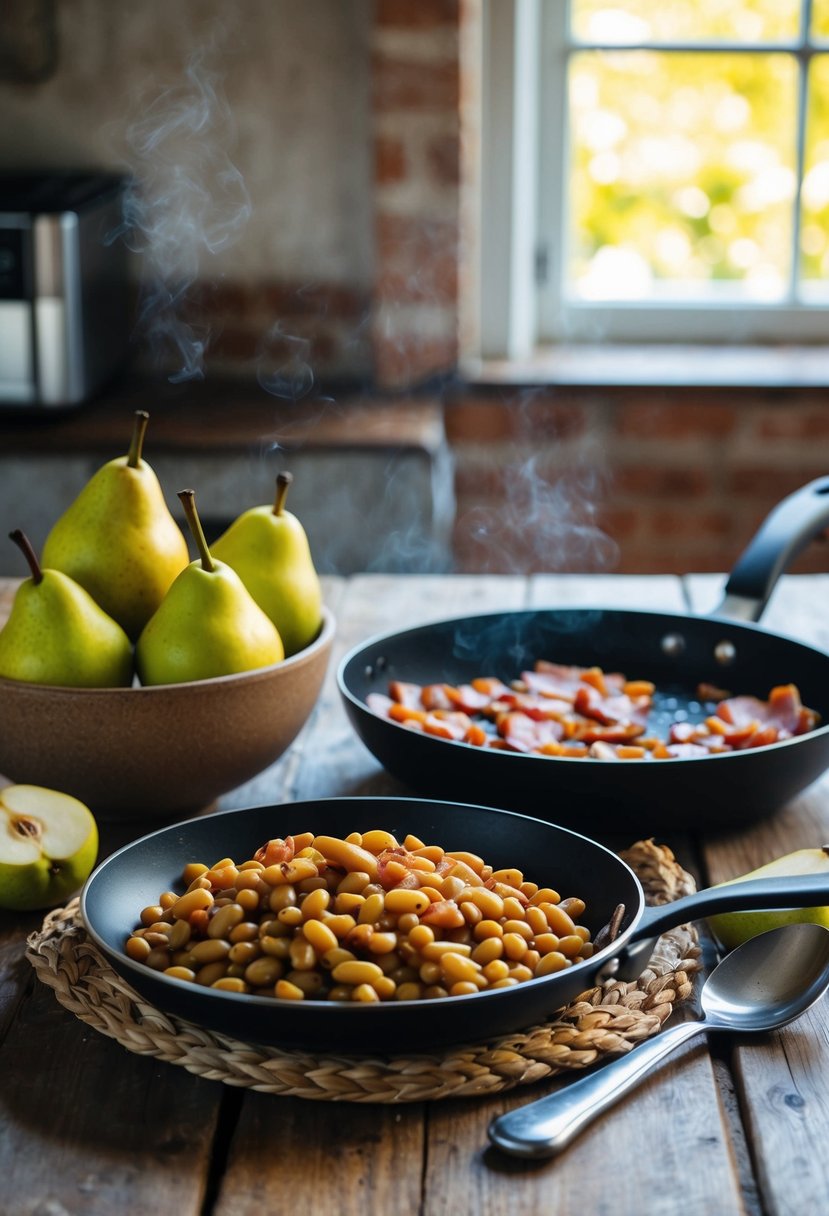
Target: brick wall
{"type": "Point", "coordinates": [416, 109]}
{"type": "Point", "coordinates": [628, 481]}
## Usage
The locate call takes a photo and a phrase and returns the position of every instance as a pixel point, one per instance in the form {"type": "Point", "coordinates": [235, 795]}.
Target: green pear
{"type": "Point", "coordinates": [57, 634]}
{"type": "Point", "coordinates": [207, 625]}
{"type": "Point", "coordinates": [48, 846]}
{"type": "Point", "coordinates": [118, 538]}
{"type": "Point", "coordinates": [733, 928]}
{"type": "Point", "coordinates": [268, 548]}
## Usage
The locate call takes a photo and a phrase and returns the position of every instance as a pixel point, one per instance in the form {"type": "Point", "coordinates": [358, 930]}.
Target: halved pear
{"type": "Point", "coordinates": [48, 846]}
{"type": "Point", "coordinates": [733, 928]}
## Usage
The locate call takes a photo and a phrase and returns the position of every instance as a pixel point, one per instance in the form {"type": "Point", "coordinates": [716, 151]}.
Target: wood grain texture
{"type": "Point", "coordinates": [662, 1151]}
{"type": "Point", "coordinates": [289, 1156]}
{"type": "Point", "coordinates": [782, 1080]}
{"type": "Point", "coordinates": [89, 1128]}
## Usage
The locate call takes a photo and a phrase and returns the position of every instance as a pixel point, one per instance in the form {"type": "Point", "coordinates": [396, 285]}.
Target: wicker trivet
{"type": "Point", "coordinates": [602, 1021]}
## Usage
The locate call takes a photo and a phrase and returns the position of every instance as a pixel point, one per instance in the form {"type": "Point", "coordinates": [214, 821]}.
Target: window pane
{"type": "Point", "coordinates": [820, 19]}
{"type": "Point", "coordinates": [682, 175]}
{"type": "Point", "coordinates": [814, 198]}
{"type": "Point", "coordinates": [626, 21]}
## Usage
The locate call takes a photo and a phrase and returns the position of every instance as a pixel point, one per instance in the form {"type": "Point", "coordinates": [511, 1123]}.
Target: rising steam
{"type": "Point", "coordinates": [186, 202]}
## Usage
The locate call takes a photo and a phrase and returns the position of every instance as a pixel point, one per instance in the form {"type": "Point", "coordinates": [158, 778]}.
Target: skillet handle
{"type": "Point", "coordinates": [751, 895]}
{"type": "Point", "coordinates": [788, 528]}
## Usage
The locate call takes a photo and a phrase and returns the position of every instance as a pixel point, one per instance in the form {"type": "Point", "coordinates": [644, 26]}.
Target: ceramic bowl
{"type": "Point", "coordinates": [157, 752]}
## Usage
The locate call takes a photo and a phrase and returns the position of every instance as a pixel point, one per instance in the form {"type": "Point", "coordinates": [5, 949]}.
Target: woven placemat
{"type": "Point", "coordinates": [606, 1020]}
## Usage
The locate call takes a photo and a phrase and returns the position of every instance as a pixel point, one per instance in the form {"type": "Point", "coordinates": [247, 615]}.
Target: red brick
{"type": "Point", "coordinates": [545, 417]}
{"type": "Point", "coordinates": [788, 421]}
{"type": "Point", "coordinates": [315, 299]}
{"type": "Point", "coordinates": [408, 359]}
{"type": "Point", "coordinates": [693, 521]}
{"type": "Point", "coordinates": [390, 161]}
{"type": "Point", "coordinates": [443, 157]}
{"type": "Point", "coordinates": [401, 84]}
{"type": "Point", "coordinates": [671, 482]}
{"type": "Point", "coordinates": [676, 420]}
{"type": "Point", "coordinates": [771, 484]}
{"type": "Point", "coordinates": [407, 241]}
{"type": "Point", "coordinates": [479, 421]}
{"type": "Point", "coordinates": [416, 13]}
{"type": "Point", "coordinates": [621, 523]}
{"type": "Point", "coordinates": [477, 483]}
{"type": "Point", "coordinates": [435, 282]}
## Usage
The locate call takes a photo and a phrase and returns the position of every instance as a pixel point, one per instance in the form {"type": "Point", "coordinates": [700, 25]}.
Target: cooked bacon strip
{"type": "Point", "coordinates": [406, 694]}
{"type": "Point", "coordinates": [538, 707]}
{"type": "Point", "coordinates": [447, 725]}
{"type": "Point", "coordinates": [555, 710]}
{"type": "Point", "coordinates": [436, 696]}
{"type": "Point", "coordinates": [617, 709]}
{"type": "Point", "coordinates": [523, 734]}
{"type": "Point", "coordinates": [467, 698]}
{"type": "Point", "coordinates": [491, 686]}
{"type": "Point", "coordinates": [782, 710]}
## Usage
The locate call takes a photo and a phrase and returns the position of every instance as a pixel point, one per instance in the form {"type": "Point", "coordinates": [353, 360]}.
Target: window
{"type": "Point", "coordinates": [655, 170]}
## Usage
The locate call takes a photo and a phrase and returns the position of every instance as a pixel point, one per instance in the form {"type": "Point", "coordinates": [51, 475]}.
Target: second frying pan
{"type": "Point", "coordinates": [677, 652]}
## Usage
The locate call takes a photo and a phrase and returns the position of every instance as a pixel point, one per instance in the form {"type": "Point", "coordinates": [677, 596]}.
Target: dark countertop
{"type": "Point", "coordinates": [225, 415]}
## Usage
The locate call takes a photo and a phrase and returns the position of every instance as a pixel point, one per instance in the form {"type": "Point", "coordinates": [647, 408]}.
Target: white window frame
{"type": "Point", "coordinates": [523, 220]}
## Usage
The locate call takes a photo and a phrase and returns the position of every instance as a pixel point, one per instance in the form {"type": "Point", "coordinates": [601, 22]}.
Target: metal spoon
{"type": "Point", "coordinates": [763, 984]}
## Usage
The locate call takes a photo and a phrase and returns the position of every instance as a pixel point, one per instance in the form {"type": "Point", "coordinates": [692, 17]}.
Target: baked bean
{"type": "Point", "coordinates": [359, 919]}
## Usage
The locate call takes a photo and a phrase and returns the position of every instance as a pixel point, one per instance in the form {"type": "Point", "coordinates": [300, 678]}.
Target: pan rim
{"type": "Point", "coordinates": [126, 965]}
{"type": "Point", "coordinates": [355, 652]}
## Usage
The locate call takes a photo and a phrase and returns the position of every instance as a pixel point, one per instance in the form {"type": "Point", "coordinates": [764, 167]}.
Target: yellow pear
{"type": "Point", "coordinates": [207, 625]}
{"type": "Point", "coordinates": [268, 548]}
{"type": "Point", "coordinates": [733, 928]}
{"type": "Point", "coordinates": [57, 634]}
{"type": "Point", "coordinates": [118, 538]}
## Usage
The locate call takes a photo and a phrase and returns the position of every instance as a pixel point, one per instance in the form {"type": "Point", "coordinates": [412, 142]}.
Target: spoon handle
{"type": "Point", "coordinates": [544, 1127]}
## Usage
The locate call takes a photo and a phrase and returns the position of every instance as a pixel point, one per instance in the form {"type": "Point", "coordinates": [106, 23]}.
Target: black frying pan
{"type": "Point", "coordinates": [677, 652]}
{"type": "Point", "coordinates": [136, 875]}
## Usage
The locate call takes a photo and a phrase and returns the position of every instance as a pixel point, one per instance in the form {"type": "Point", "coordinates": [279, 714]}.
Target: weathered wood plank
{"type": "Point", "coordinates": [781, 1080]}
{"type": "Point", "coordinates": [663, 1150]}
{"type": "Point", "coordinates": [289, 1155]}
{"type": "Point", "coordinates": [655, 593]}
{"type": "Point", "coordinates": [90, 1129]}
{"type": "Point", "coordinates": [784, 1086]}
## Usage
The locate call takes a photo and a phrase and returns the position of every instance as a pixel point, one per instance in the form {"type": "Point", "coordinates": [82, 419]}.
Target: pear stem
{"type": "Point", "coordinates": [188, 501]}
{"type": "Point", "coordinates": [283, 485]}
{"type": "Point", "coordinates": [23, 542]}
{"type": "Point", "coordinates": [137, 442]}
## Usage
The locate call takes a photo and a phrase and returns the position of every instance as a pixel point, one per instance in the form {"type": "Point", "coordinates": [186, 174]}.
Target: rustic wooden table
{"type": "Point", "coordinates": [734, 1126]}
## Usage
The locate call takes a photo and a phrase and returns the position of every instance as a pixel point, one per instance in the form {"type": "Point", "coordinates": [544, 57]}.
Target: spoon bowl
{"type": "Point", "coordinates": [765, 983]}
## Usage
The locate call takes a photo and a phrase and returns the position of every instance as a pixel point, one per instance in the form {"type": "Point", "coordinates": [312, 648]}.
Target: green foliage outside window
{"type": "Point", "coordinates": [683, 165]}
